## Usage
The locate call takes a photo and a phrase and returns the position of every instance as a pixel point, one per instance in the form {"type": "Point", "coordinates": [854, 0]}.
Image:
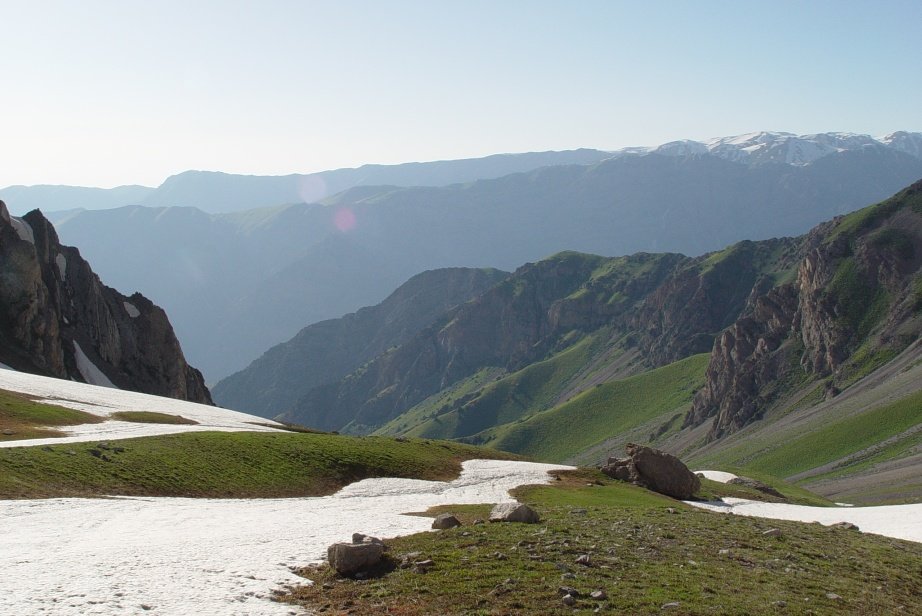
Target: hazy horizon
{"type": "Point", "coordinates": [118, 93]}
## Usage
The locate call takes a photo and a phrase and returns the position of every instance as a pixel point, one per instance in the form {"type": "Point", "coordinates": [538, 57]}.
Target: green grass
{"type": "Point", "coordinates": [224, 464]}
{"type": "Point", "coordinates": [603, 411]}
{"type": "Point", "coordinates": [830, 442]}
{"type": "Point", "coordinates": [152, 417]}
{"type": "Point", "coordinates": [646, 551]}
{"type": "Point", "coordinates": [21, 417]}
{"type": "Point", "coordinates": [517, 395]}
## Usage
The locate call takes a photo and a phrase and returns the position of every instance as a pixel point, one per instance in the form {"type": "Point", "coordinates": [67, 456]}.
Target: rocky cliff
{"type": "Point", "coordinates": [57, 319]}
{"type": "Point", "coordinates": [856, 300]}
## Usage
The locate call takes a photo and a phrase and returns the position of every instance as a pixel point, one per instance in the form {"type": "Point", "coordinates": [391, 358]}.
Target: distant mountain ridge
{"type": "Point", "coordinates": [57, 319]}
{"type": "Point", "coordinates": [217, 192]}
{"type": "Point", "coordinates": [236, 284]}
{"type": "Point", "coordinates": [329, 350]}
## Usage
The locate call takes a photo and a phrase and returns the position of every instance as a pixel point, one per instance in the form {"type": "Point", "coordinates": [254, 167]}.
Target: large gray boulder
{"type": "Point", "coordinates": [445, 521]}
{"type": "Point", "coordinates": [655, 470]}
{"type": "Point", "coordinates": [514, 512]}
{"type": "Point", "coordinates": [350, 558]}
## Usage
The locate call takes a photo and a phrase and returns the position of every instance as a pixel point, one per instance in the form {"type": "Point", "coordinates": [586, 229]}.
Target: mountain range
{"type": "Point", "coordinates": [236, 284]}
{"type": "Point", "coordinates": [798, 356]}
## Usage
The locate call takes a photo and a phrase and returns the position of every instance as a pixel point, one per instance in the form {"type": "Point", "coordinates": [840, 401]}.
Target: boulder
{"type": "Point", "coordinates": [655, 470]}
{"type": "Point", "coordinates": [514, 512]}
{"type": "Point", "coordinates": [351, 558]}
{"type": "Point", "coordinates": [445, 521]}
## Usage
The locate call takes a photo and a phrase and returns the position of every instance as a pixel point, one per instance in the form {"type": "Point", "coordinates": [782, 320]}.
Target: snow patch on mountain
{"type": "Point", "coordinates": [780, 147]}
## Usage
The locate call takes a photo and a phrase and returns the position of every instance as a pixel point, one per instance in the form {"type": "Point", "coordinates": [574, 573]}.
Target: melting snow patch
{"type": "Point", "coordinates": [132, 310]}
{"type": "Point", "coordinates": [61, 262]}
{"type": "Point", "coordinates": [90, 372]}
{"type": "Point", "coordinates": [719, 476]}
{"type": "Point", "coordinates": [104, 401]}
{"type": "Point", "coordinates": [205, 556]}
{"type": "Point", "coordinates": [897, 521]}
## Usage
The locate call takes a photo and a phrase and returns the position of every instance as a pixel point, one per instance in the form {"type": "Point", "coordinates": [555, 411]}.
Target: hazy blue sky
{"type": "Point", "coordinates": [114, 92]}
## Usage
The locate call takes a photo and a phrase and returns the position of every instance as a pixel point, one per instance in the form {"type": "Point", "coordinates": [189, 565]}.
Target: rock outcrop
{"type": "Point", "coordinates": [857, 285]}
{"type": "Point", "coordinates": [57, 319]}
{"type": "Point", "coordinates": [655, 470]}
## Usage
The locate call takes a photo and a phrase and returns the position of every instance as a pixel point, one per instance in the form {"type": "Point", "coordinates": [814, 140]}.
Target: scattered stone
{"type": "Point", "coordinates": [95, 453]}
{"type": "Point", "coordinates": [514, 512]}
{"type": "Point", "coordinates": [408, 559]}
{"type": "Point", "coordinates": [350, 558]}
{"type": "Point", "coordinates": [584, 560]}
{"type": "Point", "coordinates": [563, 591]}
{"type": "Point", "coordinates": [671, 605]}
{"type": "Point", "coordinates": [845, 526]}
{"type": "Point", "coordinates": [568, 576]}
{"type": "Point", "coordinates": [47, 448]}
{"type": "Point", "coordinates": [71, 452]}
{"type": "Point", "coordinates": [104, 446]}
{"type": "Point", "coordinates": [327, 586]}
{"type": "Point", "coordinates": [772, 532]}
{"type": "Point", "coordinates": [833, 596]}
{"type": "Point", "coordinates": [423, 566]}
{"type": "Point", "coordinates": [655, 470]}
{"type": "Point", "coordinates": [723, 552]}
{"type": "Point", "coordinates": [8, 433]}
{"type": "Point", "coordinates": [756, 485]}
{"type": "Point", "coordinates": [500, 556]}
{"type": "Point", "coordinates": [599, 595]}
{"type": "Point", "coordinates": [780, 603]}
{"type": "Point", "coordinates": [445, 521]}
{"type": "Point", "coordinates": [568, 600]}
{"type": "Point", "coordinates": [578, 511]}
{"type": "Point", "coordinates": [478, 522]}
{"type": "Point", "coordinates": [670, 510]}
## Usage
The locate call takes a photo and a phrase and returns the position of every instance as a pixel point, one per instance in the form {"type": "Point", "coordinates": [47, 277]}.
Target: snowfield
{"type": "Point", "coordinates": [104, 401]}
{"type": "Point", "coordinates": [204, 556]}
{"type": "Point", "coordinates": [897, 521]}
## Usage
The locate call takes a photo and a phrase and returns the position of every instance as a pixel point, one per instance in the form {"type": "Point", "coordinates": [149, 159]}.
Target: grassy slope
{"type": "Point", "coordinates": [643, 557]}
{"type": "Point", "coordinates": [24, 418]}
{"type": "Point", "coordinates": [152, 417]}
{"type": "Point", "coordinates": [604, 411]}
{"type": "Point", "coordinates": [517, 395]}
{"type": "Point", "coordinates": [224, 464]}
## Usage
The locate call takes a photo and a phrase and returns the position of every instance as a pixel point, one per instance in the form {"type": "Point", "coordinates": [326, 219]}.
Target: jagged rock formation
{"type": "Point", "coordinates": [329, 350]}
{"type": "Point", "coordinates": [858, 287]}
{"type": "Point", "coordinates": [57, 319]}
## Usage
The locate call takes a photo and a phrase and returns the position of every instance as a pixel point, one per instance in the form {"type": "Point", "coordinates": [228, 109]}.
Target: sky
{"type": "Point", "coordinates": [113, 92]}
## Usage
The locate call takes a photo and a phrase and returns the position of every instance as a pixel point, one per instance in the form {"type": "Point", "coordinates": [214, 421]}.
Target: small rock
{"type": "Point", "coordinates": [670, 606]}
{"type": "Point", "coordinates": [568, 600]}
{"type": "Point", "coordinates": [47, 448]}
{"type": "Point", "coordinates": [500, 556]}
{"type": "Point", "coordinates": [514, 512]}
{"type": "Point", "coordinates": [833, 596]}
{"type": "Point", "coordinates": [845, 526]}
{"type": "Point", "coordinates": [599, 595]}
{"type": "Point", "coordinates": [478, 522]}
{"type": "Point", "coordinates": [723, 552]}
{"type": "Point", "coordinates": [578, 511]}
{"type": "Point", "coordinates": [568, 576]}
{"type": "Point", "coordinates": [71, 452]}
{"type": "Point", "coordinates": [563, 591]}
{"type": "Point", "coordinates": [8, 433]}
{"type": "Point", "coordinates": [423, 566]}
{"type": "Point", "coordinates": [445, 521]}
{"type": "Point", "coordinates": [780, 603]}
{"type": "Point", "coordinates": [670, 510]}
{"type": "Point", "coordinates": [772, 532]}
{"type": "Point", "coordinates": [327, 586]}
{"type": "Point", "coordinates": [584, 560]}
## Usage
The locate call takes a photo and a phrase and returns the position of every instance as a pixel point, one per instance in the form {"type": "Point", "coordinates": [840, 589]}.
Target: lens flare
{"type": "Point", "coordinates": [311, 188]}
{"type": "Point", "coordinates": [344, 219]}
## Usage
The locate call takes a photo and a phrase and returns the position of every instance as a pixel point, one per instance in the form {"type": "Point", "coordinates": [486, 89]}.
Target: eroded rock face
{"type": "Point", "coordinates": [655, 470]}
{"type": "Point", "coordinates": [856, 278]}
{"type": "Point", "coordinates": [57, 319]}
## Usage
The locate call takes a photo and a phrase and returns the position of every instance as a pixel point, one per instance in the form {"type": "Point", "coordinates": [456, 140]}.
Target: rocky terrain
{"type": "Point", "coordinates": [59, 320]}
